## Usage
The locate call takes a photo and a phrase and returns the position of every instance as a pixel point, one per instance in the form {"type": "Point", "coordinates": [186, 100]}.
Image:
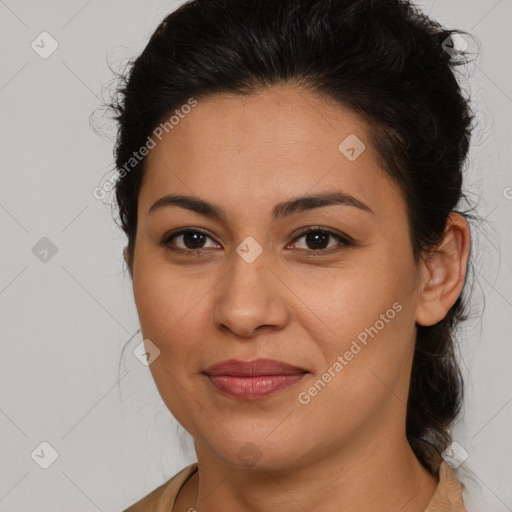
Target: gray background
{"type": "Point", "coordinates": [66, 316]}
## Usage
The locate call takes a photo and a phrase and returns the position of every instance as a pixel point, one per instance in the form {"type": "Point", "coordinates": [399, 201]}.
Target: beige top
{"type": "Point", "coordinates": [447, 498]}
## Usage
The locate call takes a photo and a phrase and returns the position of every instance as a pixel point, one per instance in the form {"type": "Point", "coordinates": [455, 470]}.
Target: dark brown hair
{"type": "Point", "coordinates": [383, 59]}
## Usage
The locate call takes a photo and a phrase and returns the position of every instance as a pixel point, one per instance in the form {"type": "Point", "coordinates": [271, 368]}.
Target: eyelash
{"type": "Point", "coordinates": [344, 240]}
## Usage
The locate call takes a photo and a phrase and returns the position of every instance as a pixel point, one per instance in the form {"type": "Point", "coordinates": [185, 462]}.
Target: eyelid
{"type": "Point", "coordinates": [314, 229]}
{"type": "Point", "coordinates": [344, 240]}
{"type": "Point", "coordinates": [181, 231]}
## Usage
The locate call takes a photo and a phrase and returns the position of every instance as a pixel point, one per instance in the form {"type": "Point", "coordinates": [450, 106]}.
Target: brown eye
{"type": "Point", "coordinates": [317, 240]}
{"type": "Point", "coordinates": [187, 240]}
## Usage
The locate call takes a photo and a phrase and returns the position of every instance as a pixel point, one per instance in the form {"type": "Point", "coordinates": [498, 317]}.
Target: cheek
{"type": "Point", "coordinates": [363, 323]}
{"type": "Point", "coordinates": [170, 318]}
{"type": "Point", "coordinates": [364, 367]}
{"type": "Point", "coordinates": [350, 299]}
{"type": "Point", "coordinates": [168, 307]}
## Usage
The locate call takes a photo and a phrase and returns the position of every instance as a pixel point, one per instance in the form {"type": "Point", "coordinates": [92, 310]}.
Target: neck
{"type": "Point", "coordinates": [358, 476]}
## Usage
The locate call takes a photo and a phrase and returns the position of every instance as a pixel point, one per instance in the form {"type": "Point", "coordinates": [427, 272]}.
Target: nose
{"type": "Point", "coordinates": [250, 298]}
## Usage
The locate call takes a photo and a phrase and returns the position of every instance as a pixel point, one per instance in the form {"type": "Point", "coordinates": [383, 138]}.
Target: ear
{"type": "Point", "coordinates": [443, 272]}
{"type": "Point", "coordinates": [128, 260]}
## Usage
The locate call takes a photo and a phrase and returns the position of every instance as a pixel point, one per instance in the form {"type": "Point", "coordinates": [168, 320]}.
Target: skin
{"type": "Point", "coordinates": [346, 449]}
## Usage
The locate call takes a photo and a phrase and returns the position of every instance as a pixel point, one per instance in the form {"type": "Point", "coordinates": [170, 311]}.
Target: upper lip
{"type": "Point", "coordinates": [237, 368]}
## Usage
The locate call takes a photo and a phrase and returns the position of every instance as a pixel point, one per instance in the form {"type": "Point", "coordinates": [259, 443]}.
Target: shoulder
{"type": "Point", "coordinates": [162, 498]}
{"type": "Point", "coordinates": [448, 495]}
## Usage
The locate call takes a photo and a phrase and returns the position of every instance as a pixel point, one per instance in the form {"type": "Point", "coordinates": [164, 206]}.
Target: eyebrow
{"type": "Point", "coordinates": [294, 205]}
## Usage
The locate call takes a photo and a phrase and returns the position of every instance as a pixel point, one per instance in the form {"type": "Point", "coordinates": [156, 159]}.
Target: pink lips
{"type": "Point", "coordinates": [251, 380]}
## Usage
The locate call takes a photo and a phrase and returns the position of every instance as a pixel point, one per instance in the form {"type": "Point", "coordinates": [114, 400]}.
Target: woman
{"type": "Point", "coordinates": [289, 173]}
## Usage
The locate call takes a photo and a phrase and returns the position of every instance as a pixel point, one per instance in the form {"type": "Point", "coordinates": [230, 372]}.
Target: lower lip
{"type": "Point", "coordinates": [251, 388]}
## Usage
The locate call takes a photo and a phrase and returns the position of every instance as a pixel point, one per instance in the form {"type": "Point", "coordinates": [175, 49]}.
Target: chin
{"type": "Point", "coordinates": [262, 454]}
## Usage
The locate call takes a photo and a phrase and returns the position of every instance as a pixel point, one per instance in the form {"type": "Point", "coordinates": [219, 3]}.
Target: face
{"type": "Point", "coordinates": [244, 282]}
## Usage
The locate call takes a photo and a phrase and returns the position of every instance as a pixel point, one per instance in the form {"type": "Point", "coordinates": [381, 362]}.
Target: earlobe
{"type": "Point", "coordinates": [444, 273]}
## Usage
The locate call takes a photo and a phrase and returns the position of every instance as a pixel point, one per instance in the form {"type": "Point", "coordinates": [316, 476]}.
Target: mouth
{"type": "Point", "coordinates": [251, 380]}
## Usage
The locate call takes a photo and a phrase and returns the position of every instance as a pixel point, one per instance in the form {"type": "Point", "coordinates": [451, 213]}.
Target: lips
{"type": "Point", "coordinates": [258, 367]}
{"type": "Point", "coordinates": [251, 380]}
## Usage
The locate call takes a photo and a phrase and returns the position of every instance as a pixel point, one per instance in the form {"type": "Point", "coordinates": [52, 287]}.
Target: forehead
{"type": "Point", "coordinates": [279, 142]}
